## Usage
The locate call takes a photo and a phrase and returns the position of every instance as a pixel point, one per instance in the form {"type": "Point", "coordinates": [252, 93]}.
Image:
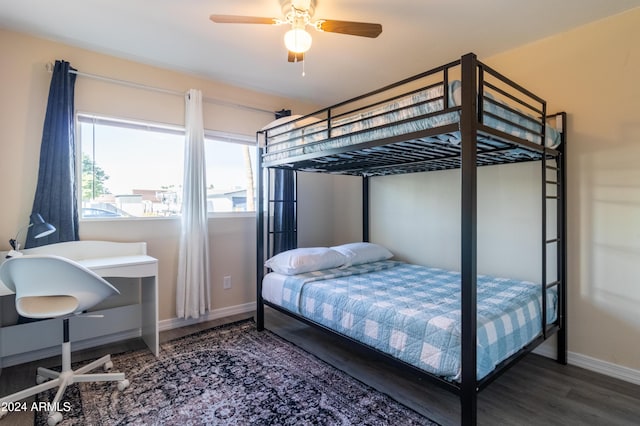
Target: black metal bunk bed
{"type": "Point", "coordinates": [473, 119]}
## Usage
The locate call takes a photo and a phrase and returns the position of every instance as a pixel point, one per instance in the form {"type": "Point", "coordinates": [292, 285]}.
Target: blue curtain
{"type": "Point", "coordinates": [284, 209]}
{"type": "Point", "coordinates": [56, 197]}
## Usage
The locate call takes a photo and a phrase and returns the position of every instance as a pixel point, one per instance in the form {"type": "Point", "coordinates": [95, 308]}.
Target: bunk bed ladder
{"type": "Point", "coordinates": [550, 201]}
{"type": "Point", "coordinates": [554, 239]}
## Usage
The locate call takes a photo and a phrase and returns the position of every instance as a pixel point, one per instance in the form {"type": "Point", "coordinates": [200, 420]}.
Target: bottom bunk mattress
{"type": "Point", "coordinates": [412, 312]}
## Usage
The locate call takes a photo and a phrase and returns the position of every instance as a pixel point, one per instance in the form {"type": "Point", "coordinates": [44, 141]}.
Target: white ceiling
{"type": "Point", "coordinates": [417, 35]}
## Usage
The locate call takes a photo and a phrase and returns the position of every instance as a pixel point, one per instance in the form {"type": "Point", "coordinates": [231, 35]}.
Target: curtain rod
{"type": "Point", "coordinates": [49, 67]}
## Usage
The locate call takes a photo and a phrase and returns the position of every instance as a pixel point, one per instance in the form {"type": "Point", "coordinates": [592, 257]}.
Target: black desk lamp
{"type": "Point", "coordinates": [40, 229]}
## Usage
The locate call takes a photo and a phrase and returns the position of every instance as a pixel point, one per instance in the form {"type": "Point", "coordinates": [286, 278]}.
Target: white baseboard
{"type": "Point", "coordinates": [588, 363]}
{"type": "Point", "coordinates": [606, 368]}
{"type": "Point", "coordinates": [170, 324]}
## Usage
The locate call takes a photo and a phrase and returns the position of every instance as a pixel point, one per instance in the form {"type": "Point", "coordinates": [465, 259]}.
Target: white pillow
{"type": "Point", "coordinates": [358, 253]}
{"type": "Point", "coordinates": [300, 260]}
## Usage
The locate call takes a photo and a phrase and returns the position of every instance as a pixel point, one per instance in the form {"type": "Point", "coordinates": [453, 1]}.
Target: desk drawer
{"type": "Point", "coordinates": [115, 320]}
{"type": "Point", "coordinates": [36, 340]}
{"type": "Point", "coordinates": [29, 337]}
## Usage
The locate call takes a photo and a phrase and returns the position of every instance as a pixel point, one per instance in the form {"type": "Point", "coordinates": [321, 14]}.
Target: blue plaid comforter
{"type": "Point", "coordinates": [413, 312]}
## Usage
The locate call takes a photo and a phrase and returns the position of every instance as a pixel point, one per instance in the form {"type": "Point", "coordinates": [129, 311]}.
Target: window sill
{"type": "Point", "coordinates": [210, 216]}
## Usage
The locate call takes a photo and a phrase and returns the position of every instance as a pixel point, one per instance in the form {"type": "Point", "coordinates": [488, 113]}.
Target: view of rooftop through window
{"type": "Point", "coordinates": [136, 170]}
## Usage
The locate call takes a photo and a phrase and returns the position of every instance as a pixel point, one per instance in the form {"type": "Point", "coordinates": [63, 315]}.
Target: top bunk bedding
{"type": "Point", "coordinates": [404, 128]}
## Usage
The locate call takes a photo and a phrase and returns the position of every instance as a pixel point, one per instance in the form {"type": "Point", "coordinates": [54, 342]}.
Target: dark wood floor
{"type": "Point", "coordinates": [537, 391]}
{"type": "Point", "coordinates": [16, 378]}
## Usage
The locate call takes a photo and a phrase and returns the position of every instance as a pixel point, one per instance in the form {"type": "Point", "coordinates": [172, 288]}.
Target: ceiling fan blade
{"type": "Point", "coordinates": [362, 29]}
{"type": "Point", "coordinates": [295, 57]}
{"type": "Point", "coordinates": [236, 19]}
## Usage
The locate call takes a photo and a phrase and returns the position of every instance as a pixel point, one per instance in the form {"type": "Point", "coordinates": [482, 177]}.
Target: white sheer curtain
{"type": "Point", "coordinates": [193, 294]}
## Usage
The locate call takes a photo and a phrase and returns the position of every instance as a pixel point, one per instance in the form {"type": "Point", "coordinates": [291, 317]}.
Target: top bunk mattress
{"type": "Point", "coordinates": [406, 116]}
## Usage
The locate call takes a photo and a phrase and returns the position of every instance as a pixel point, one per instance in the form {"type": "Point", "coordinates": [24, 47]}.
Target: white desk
{"type": "Point", "coordinates": [107, 259]}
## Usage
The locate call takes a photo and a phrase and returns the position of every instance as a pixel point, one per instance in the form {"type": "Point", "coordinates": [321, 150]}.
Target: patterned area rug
{"type": "Point", "coordinates": [230, 375]}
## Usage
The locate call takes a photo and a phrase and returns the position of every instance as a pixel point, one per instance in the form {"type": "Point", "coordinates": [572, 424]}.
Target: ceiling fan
{"type": "Point", "coordinates": [298, 14]}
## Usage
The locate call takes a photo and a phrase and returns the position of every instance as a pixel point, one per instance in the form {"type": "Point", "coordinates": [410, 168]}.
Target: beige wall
{"type": "Point", "coordinates": [24, 87]}
{"type": "Point", "coordinates": [592, 73]}
{"type": "Point", "coordinates": [417, 217]}
{"type": "Point", "coordinates": [329, 210]}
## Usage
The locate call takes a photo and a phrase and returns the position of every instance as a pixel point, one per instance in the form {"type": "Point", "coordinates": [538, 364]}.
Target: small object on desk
{"type": "Point", "coordinates": [40, 229]}
{"type": "Point", "coordinates": [12, 253]}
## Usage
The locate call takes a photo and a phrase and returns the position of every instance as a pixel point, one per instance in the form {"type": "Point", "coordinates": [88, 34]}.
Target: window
{"type": "Point", "coordinates": [134, 169]}
{"type": "Point", "coordinates": [230, 174]}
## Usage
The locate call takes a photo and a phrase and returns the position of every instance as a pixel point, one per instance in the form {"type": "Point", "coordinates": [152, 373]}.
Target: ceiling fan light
{"type": "Point", "coordinates": [297, 40]}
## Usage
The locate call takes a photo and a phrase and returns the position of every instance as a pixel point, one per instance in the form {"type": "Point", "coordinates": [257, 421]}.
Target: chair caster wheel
{"type": "Point", "coordinates": [40, 379]}
{"type": "Point", "coordinates": [107, 366]}
{"type": "Point", "coordinates": [123, 384]}
{"type": "Point", "coordinates": [54, 418]}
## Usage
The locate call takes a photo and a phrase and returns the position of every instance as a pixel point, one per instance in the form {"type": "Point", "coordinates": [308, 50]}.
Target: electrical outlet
{"type": "Point", "coordinates": [226, 282]}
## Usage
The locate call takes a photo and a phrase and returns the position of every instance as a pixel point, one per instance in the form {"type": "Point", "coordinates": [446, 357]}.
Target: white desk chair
{"type": "Point", "coordinates": [51, 286]}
